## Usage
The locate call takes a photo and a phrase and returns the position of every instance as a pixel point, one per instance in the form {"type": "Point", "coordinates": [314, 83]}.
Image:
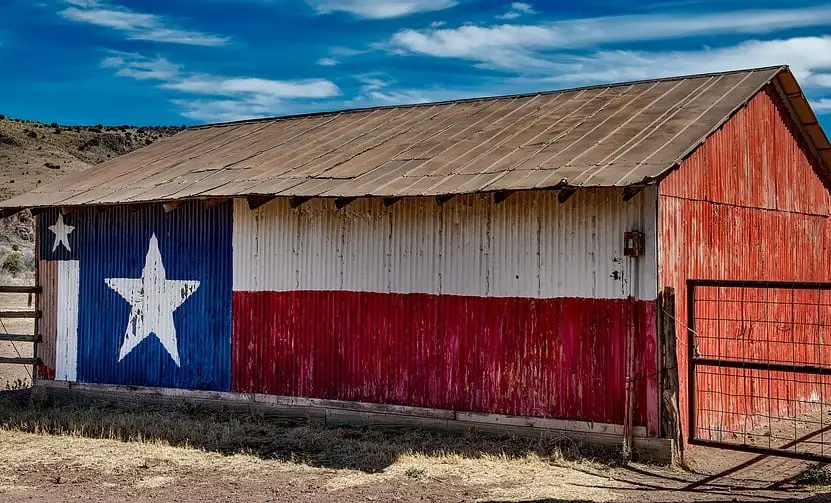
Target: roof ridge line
{"type": "Point", "coordinates": [488, 98]}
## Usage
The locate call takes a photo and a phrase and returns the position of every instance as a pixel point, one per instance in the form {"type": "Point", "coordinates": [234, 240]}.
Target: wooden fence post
{"type": "Point", "coordinates": [670, 416]}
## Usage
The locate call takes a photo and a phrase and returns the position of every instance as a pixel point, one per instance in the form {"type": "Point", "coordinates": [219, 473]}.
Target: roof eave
{"type": "Point", "coordinates": [804, 117]}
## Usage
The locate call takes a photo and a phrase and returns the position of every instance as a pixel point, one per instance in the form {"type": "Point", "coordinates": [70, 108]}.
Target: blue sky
{"type": "Point", "coordinates": [196, 61]}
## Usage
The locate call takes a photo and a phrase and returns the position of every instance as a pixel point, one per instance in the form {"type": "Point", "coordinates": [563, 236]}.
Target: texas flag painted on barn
{"type": "Point", "coordinates": [470, 305]}
{"type": "Point", "coordinates": [455, 306]}
{"type": "Point", "coordinates": [142, 297]}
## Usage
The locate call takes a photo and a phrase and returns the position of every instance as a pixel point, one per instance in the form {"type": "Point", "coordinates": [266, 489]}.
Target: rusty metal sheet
{"type": "Point", "coordinates": [48, 325]}
{"type": "Point", "coordinates": [818, 137]}
{"type": "Point", "coordinates": [613, 135]}
{"type": "Point", "coordinates": [80, 198]}
{"type": "Point", "coordinates": [749, 204]}
{"type": "Point", "coordinates": [469, 305]}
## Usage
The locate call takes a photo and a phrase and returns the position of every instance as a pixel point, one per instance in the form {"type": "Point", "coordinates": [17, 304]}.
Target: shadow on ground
{"type": "Point", "coordinates": [238, 430]}
{"type": "Point", "coordinates": [632, 482]}
{"type": "Point", "coordinates": [233, 431]}
{"type": "Point", "coordinates": [809, 499]}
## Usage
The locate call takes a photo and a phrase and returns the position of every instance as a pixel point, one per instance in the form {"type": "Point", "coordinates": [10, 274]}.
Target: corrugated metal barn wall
{"type": "Point", "coordinates": [48, 325]}
{"type": "Point", "coordinates": [93, 332]}
{"type": "Point", "coordinates": [747, 205]}
{"type": "Point", "coordinates": [516, 308]}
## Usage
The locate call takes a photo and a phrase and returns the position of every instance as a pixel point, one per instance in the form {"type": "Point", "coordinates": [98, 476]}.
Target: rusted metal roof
{"type": "Point", "coordinates": [615, 135]}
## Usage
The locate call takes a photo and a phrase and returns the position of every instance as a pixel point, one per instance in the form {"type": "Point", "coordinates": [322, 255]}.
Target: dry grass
{"type": "Point", "coordinates": [67, 447]}
{"type": "Point", "coordinates": [234, 431]}
{"type": "Point", "coordinates": [34, 153]}
{"type": "Point", "coordinates": [487, 478]}
{"type": "Point", "coordinates": [57, 433]}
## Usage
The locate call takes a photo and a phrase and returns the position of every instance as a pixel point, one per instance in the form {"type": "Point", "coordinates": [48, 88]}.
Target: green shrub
{"type": "Point", "coordinates": [13, 263]}
{"type": "Point", "coordinates": [815, 475]}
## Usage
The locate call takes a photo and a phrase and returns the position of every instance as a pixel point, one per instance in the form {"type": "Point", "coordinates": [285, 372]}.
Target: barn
{"type": "Point", "coordinates": [542, 262]}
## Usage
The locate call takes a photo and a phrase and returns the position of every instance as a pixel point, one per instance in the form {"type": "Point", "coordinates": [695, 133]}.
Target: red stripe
{"type": "Point", "coordinates": [560, 358]}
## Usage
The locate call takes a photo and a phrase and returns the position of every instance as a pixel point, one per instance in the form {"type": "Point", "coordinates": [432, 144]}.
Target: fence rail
{"type": "Point", "coordinates": [34, 339]}
{"type": "Point", "coordinates": [20, 314]}
{"type": "Point", "coordinates": [19, 361]}
{"type": "Point", "coordinates": [18, 338]}
{"type": "Point", "coordinates": [19, 289]}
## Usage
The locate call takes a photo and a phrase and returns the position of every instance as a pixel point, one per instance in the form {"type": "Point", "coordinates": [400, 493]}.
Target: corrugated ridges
{"type": "Point", "coordinates": [615, 135]}
{"type": "Point", "coordinates": [526, 247]}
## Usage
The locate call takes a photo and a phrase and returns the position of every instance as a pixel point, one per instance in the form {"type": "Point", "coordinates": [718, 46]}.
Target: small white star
{"type": "Point", "coordinates": [61, 232]}
{"type": "Point", "coordinates": [152, 298]}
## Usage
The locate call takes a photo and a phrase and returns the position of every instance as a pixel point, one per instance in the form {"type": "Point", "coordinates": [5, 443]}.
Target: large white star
{"type": "Point", "coordinates": [61, 232]}
{"type": "Point", "coordinates": [152, 298]}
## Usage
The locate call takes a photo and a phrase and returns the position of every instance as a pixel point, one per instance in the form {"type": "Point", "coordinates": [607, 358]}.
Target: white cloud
{"type": "Point", "coordinates": [808, 57]}
{"type": "Point", "coordinates": [408, 96]}
{"type": "Point", "coordinates": [821, 106]}
{"type": "Point", "coordinates": [522, 7]}
{"type": "Point", "coordinates": [213, 85]}
{"type": "Point", "coordinates": [379, 90]}
{"type": "Point", "coordinates": [116, 19]}
{"type": "Point", "coordinates": [135, 25]}
{"type": "Point", "coordinates": [218, 97]}
{"type": "Point", "coordinates": [83, 3]}
{"type": "Point", "coordinates": [517, 9]}
{"type": "Point", "coordinates": [380, 9]}
{"type": "Point", "coordinates": [345, 52]}
{"type": "Point", "coordinates": [137, 67]}
{"type": "Point", "coordinates": [227, 110]}
{"type": "Point", "coordinates": [338, 54]}
{"type": "Point", "coordinates": [527, 46]}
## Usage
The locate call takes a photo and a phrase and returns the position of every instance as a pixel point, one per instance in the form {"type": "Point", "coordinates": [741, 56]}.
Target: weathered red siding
{"type": "Point", "coordinates": [783, 326]}
{"type": "Point", "coordinates": [48, 325]}
{"type": "Point", "coordinates": [749, 205]}
{"type": "Point", "coordinates": [561, 358]}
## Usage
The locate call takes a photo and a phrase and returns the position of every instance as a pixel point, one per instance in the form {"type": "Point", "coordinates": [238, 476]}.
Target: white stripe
{"type": "Point", "coordinates": [529, 246]}
{"type": "Point", "coordinates": [66, 351]}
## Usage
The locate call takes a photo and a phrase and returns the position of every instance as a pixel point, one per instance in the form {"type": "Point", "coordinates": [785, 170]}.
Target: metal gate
{"type": "Point", "coordinates": [760, 367]}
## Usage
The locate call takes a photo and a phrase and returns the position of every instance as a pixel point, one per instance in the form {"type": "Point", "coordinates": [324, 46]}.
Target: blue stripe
{"type": "Point", "coordinates": [195, 244]}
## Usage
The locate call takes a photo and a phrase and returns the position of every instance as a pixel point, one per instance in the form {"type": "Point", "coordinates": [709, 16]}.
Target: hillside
{"type": "Point", "coordinates": [34, 153]}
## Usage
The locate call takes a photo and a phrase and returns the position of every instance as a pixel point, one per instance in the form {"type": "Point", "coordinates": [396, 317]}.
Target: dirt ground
{"type": "Point", "coordinates": [59, 448]}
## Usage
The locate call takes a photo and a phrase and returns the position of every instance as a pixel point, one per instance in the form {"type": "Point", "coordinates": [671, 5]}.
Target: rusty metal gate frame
{"type": "Point", "coordinates": [694, 361]}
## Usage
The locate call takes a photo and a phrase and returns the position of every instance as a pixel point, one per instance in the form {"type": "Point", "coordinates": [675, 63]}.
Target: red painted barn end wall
{"type": "Point", "coordinates": [747, 205]}
{"type": "Point", "coordinates": [518, 308]}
